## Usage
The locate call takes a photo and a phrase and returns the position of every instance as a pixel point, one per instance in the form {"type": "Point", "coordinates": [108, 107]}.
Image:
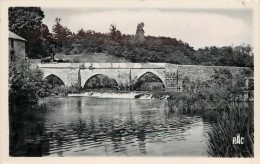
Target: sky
{"type": "Point", "coordinates": [198, 28]}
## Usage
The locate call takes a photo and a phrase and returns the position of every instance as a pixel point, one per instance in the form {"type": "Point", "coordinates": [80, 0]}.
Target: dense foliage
{"type": "Point", "coordinates": [148, 82]}
{"type": "Point", "coordinates": [212, 100]}
{"type": "Point", "coordinates": [25, 84]}
{"type": "Point", "coordinates": [27, 22]}
{"type": "Point", "coordinates": [227, 119]}
{"type": "Point", "coordinates": [140, 48]}
{"type": "Point", "coordinates": [213, 94]}
{"type": "Point", "coordinates": [101, 82]}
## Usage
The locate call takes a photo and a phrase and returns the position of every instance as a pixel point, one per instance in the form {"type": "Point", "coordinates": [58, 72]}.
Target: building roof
{"type": "Point", "coordinates": [14, 36]}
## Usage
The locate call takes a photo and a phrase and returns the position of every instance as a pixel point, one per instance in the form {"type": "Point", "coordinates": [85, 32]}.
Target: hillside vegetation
{"type": "Point", "coordinates": [91, 58]}
{"type": "Point", "coordinates": [27, 22]}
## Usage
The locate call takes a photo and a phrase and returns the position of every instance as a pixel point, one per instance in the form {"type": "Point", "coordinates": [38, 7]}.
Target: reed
{"type": "Point", "coordinates": [201, 102]}
{"type": "Point", "coordinates": [227, 119]}
{"type": "Point", "coordinates": [238, 120]}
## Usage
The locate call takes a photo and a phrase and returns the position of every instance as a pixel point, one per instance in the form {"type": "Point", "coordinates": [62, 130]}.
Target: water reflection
{"type": "Point", "coordinates": [27, 133]}
{"type": "Point", "coordinates": [81, 126]}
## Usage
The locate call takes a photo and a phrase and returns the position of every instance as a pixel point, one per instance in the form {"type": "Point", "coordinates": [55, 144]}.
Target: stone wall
{"type": "Point", "coordinates": [128, 73]}
{"type": "Point", "coordinates": [86, 74]}
{"type": "Point", "coordinates": [172, 82]}
{"type": "Point", "coordinates": [68, 76]}
{"type": "Point", "coordinates": [19, 47]}
{"type": "Point", "coordinates": [122, 75]}
{"type": "Point", "coordinates": [203, 73]}
{"type": "Point", "coordinates": [19, 50]}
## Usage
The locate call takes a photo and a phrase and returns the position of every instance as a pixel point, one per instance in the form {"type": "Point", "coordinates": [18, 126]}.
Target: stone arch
{"type": "Point", "coordinates": [114, 81]}
{"type": "Point", "coordinates": [54, 80]}
{"type": "Point", "coordinates": [158, 77]}
{"type": "Point", "coordinates": [161, 76]}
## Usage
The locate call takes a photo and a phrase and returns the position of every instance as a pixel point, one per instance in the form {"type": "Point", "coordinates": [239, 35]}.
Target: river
{"type": "Point", "coordinates": [85, 126]}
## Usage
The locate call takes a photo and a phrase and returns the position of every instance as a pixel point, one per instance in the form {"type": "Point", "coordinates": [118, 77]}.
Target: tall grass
{"type": "Point", "coordinates": [239, 120]}
{"type": "Point", "coordinates": [227, 119]}
{"type": "Point", "coordinates": [201, 102]}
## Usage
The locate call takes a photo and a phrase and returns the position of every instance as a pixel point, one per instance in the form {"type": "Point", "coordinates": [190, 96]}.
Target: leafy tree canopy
{"type": "Point", "coordinates": [24, 20]}
{"type": "Point", "coordinates": [60, 33]}
{"type": "Point", "coordinates": [25, 84]}
{"type": "Point", "coordinates": [27, 22]}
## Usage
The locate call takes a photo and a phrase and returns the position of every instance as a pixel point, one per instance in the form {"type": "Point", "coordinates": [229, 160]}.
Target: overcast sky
{"type": "Point", "coordinates": [199, 28]}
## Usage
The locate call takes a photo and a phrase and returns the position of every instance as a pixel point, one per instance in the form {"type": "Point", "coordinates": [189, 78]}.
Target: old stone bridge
{"type": "Point", "coordinates": [126, 74]}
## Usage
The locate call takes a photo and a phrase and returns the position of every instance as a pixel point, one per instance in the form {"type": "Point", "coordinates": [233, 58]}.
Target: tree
{"type": "Point", "coordinates": [27, 22]}
{"type": "Point", "coordinates": [139, 36]}
{"type": "Point", "coordinates": [25, 84]}
{"type": "Point", "coordinates": [243, 56]}
{"type": "Point", "coordinates": [115, 34]}
{"type": "Point", "coordinates": [60, 33]}
{"type": "Point", "coordinates": [81, 34]}
{"type": "Point", "coordinates": [24, 20]}
{"type": "Point", "coordinates": [39, 45]}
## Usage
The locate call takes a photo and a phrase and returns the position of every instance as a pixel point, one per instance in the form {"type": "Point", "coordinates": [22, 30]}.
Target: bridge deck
{"type": "Point", "coordinates": [106, 65]}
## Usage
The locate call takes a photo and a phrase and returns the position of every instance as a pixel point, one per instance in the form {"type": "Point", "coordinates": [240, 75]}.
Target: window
{"type": "Point", "coordinates": [12, 56]}
{"type": "Point", "coordinates": [12, 43]}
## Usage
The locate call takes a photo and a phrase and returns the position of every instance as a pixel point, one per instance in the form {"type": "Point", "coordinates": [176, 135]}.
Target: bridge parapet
{"type": "Point", "coordinates": [59, 65]}
{"type": "Point", "coordinates": [105, 65]}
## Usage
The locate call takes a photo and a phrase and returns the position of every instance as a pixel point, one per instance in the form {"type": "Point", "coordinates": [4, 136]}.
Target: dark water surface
{"type": "Point", "coordinates": [82, 126]}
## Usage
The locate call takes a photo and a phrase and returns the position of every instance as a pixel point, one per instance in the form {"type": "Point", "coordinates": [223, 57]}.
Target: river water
{"type": "Point", "coordinates": [83, 126]}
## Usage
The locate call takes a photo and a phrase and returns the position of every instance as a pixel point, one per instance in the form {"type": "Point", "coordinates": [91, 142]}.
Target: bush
{"type": "Point", "coordinates": [199, 102]}
{"type": "Point", "coordinates": [64, 90]}
{"type": "Point", "coordinates": [152, 86]}
{"type": "Point", "coordinates": [214, 103]}
{"type": "Point", "coordinates": [26, 84]}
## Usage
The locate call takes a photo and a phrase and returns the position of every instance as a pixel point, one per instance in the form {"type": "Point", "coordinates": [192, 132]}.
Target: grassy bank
{"type": "Point", "coordinates": [227, 119]}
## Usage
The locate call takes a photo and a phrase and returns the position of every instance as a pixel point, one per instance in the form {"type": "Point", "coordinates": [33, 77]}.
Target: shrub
{"type": "Point", "coordinates": [26, 84]}
{"type": "Point", "coordinates": [64, 90]}
{"type": "Point", "coordinates": [199, 102]}
{"type": "Point", "coordinates": [214, 104]}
